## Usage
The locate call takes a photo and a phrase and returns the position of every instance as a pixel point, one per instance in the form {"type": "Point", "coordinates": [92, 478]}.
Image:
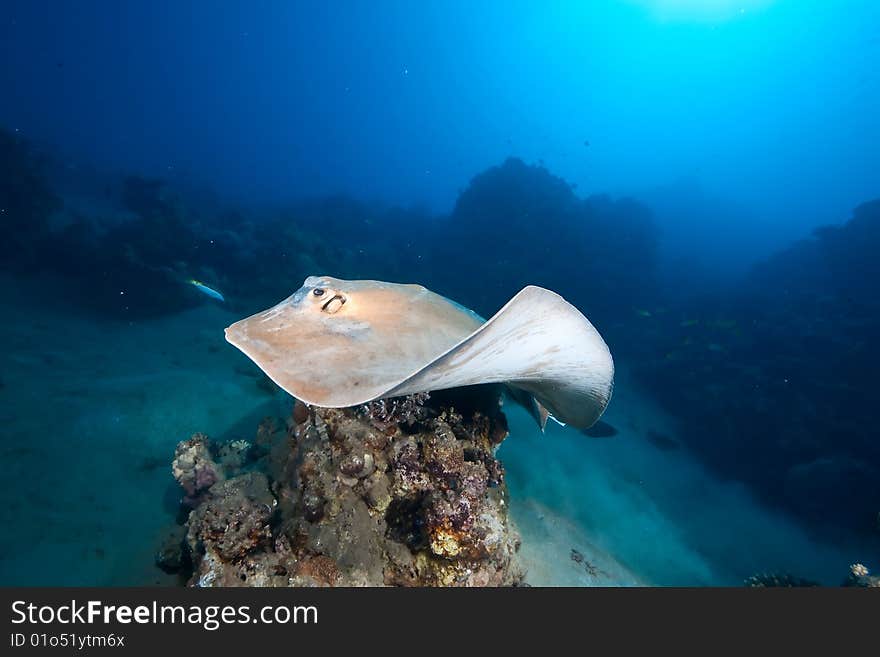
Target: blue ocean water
{"type": "Point", "coordinates": [701, 179]}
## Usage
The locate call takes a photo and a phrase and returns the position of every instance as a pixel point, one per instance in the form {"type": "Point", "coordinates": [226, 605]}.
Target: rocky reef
{"type": "Point", "coordinates": [859, 576]}
{"type": "Point", "coordinates": [773, 381]}
{"type": "Point", "coordinates": [403, 492]}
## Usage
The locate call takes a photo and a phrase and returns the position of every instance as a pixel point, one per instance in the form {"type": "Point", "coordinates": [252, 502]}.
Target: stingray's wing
{"type": "Point", "coordinates": [537, 342]}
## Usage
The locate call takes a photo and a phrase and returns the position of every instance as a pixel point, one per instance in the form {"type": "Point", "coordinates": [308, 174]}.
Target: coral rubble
{"type": "Point", "coordinates": [405, 493]}
{"type": "Point", "coordinates": [778, 580]}
{"type": "Point", "coordinates": [859, 576]}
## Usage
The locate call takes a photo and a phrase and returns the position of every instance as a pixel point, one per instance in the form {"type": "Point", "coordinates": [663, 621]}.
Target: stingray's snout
{"type": "Point", "coordinates": [233, 334]}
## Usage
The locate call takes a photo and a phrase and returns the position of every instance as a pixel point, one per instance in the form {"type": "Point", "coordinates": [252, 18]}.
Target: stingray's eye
{"type": "Point", "coordinates": [318, 291]}
{"type": "Point", "coordinates": [334, 304]}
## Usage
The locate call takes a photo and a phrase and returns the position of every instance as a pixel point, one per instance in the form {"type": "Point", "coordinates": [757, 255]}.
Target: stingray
{"type": "Point", "coordinates": [335, 343]}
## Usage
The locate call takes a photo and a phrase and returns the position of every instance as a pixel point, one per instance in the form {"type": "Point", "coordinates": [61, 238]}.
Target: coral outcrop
{"type": "Point", "coordinates": [194, 468]}
{"type": "Point", "coordinates": [406, 492]}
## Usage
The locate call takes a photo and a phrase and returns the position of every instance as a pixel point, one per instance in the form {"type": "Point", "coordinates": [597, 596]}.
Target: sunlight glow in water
{"type": "Point", "coordinates": [711, 11]}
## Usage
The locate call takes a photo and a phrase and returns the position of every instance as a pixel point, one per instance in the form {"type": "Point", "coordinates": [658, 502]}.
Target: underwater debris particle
{"type": "Point", "coordinates": [589, 567]}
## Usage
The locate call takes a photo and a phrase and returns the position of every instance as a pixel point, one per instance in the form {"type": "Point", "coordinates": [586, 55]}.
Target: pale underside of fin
{"type": "Point", "coordinates": [537, 342]}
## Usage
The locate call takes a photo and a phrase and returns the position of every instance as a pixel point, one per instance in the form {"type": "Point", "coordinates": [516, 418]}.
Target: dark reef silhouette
{"type": "Point", "coordinates": [774, 379]}
{"type": "Point", "coordinates": [517, 224]}
{"type": "Point", "coordinates": [27, 201]}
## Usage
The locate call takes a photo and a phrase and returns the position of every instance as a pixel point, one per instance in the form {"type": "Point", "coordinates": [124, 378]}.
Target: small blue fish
{"type": "Point", "coordinates": [204, 289]}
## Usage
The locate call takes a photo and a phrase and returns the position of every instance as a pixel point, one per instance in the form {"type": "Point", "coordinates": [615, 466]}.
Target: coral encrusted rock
{"type": "Point", "coordinates": [403, 493]}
